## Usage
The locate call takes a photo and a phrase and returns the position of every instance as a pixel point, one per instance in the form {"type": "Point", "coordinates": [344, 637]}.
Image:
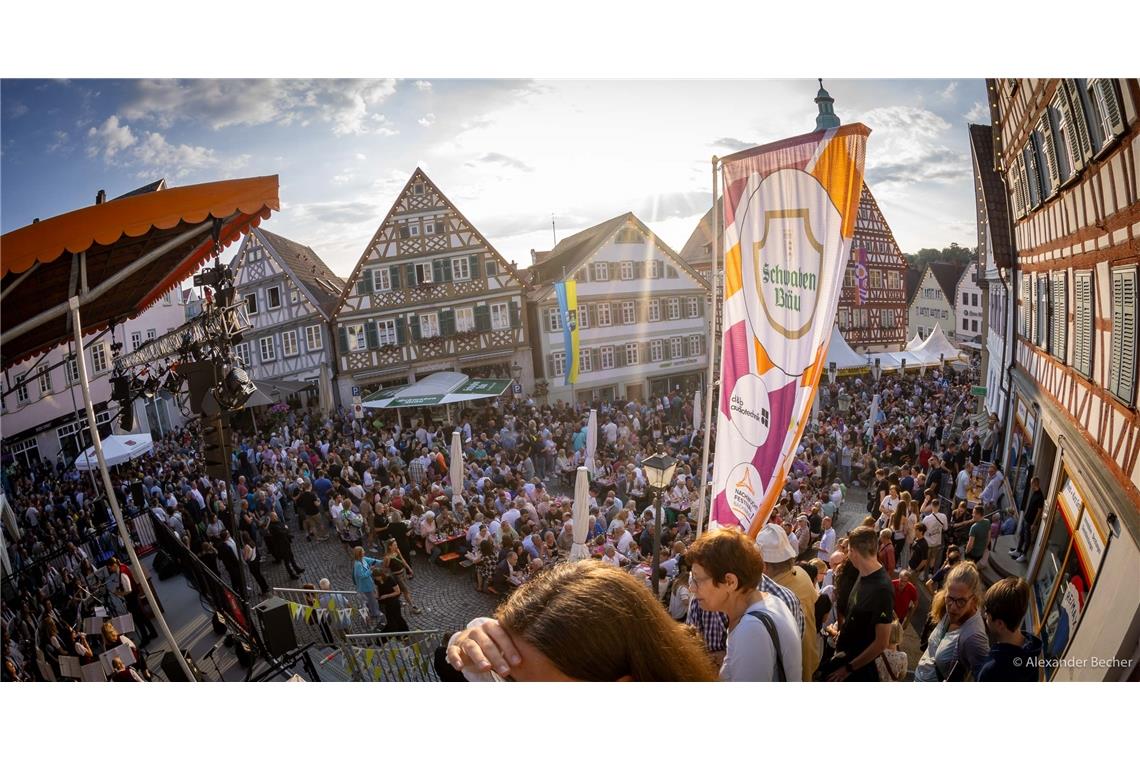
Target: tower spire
{"type": "Point", "coordinates": [826, 119]}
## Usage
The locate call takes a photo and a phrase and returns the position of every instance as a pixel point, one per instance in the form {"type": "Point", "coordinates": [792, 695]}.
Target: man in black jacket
{"type": "Point", "coordinates": [1033, 509]}
{"type": "Point", "coordinates": [281, 546]}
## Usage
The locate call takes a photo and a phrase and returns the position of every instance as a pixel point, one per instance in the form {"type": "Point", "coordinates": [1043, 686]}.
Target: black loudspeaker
{"type": "Point", "coordinates": [173, 671]}
{"type": "Point", "coordinates": [276, 626]}
{"type": "Point", "coordinates": [219, 623]}
{"type": "Point", "coordinates": [138, 494]}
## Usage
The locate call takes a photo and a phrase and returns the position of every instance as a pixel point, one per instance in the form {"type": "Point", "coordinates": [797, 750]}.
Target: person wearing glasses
{"type": "Point", "coordinates": [1014, 652]}
{"type": "Point", "coordinates": [958, 645]}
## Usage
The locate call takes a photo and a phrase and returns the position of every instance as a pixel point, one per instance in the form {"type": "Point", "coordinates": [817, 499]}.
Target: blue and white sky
{"type": "Point", "coordinates": [509, 153]}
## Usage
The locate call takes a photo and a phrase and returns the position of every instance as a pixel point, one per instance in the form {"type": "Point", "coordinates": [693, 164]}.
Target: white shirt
{"type": "Point", "coordinates": [827, 544]}
{"type": "Point", "coordinates": [963, 484]}
{"type": "Point", "coordinates": [624, 542]}
{"type": "Point", "coordinates": [511, 516]}
{"type": "Point", "coordinates": [615, 560]}
{"type": "Point", "coordinates": [935, 523]}
{"type": "Point", "coordinates": [750, 654]}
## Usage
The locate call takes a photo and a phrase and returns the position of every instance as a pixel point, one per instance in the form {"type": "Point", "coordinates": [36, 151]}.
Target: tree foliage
{"type": "Point", "coordinates": [953, 253]}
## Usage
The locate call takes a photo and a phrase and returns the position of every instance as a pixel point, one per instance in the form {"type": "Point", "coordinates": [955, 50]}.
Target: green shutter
{"type": "Point", "coordinates": [492, 267]}
{"type": "Point", "coordinates": [437, 271]}
{"type": "Point", "coordinates": [619, 355]}
{"type": "Point", "coordinates": [364, 282]}
{"type": "Point", "coordinates": [371, 334]}
{"type": "Point", "coordinates": [639, 270]}
{"type": "Point", "coordinates": [410, 271]}
{"type": "Point", "coordinates": [342, 338]}
{"type": "Point", "coordinates": [447, 322]}
{"type": "Point", "coordinates": [401, 328]}
{"type": "Point", "coordinates": [516, 319]}
{"type": "Point", "coordinates": [1123, 382]}
{"type": "Point", "coordinates": [394, 276]}
{"type": "Point", "coordinates": [483, 318]}
{"type": "Point", "coordinates": [473, 264]}
{"type": "Point", "coordinates": [416, 336]}
{"type": "Point", "coordinates": [671, 272]}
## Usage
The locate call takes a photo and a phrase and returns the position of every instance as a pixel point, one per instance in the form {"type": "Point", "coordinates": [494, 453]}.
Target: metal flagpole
{"type": "Point", "coordinates": [712, 349]}
{"type": "Point", "coordinates": [124, 534]}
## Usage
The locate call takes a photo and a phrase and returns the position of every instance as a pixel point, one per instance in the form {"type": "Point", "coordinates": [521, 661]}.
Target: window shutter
{"type": "Point", "coordinates": [473, 265]}
{"type": "Point", "coordinates": [516, 318]}
{"type": "Point", "coordinates": [492, 267]}
{"type": "Point", "coordinates": [550, 366]}
{"type": "Point", "coordinates": [1082, 322]}
{"type": "Point", "coordinates": [483, 318]}
{"type": "Point", "coordinates": [1045, 135]}
{"type": "Point", "coordinates": [1061, 103]}
{"type": "Point", "coordinates": [401, 328]}
{"type": "Point", "coordinates": [448, 270]}
{"type": "Point", "coordinates": [1042, 318]}
{"type": "Point", "coordinates": [417, 335]}
{"type": "Point", "coordinates": [595, 359]}
{"type": "Point", "coordinates": [342, 339]}
{"type": "Point", "coordinates": [1014, 184]}
{"type": "Point", "coordinates": [1060, 316]}
{"type": "Point", "coordinates": [411, 278]}
{"type": "Point", "coordinates": [700, 306]}
{"type": "Point", "coordinates": [437, 270]}
{"type": "Point", "coordinates": [1107, 89]}
{"type": "Point", "coordinates": [1124, 326]}
{"type": "Point", "coordinates": [1080, 120]}
{"type": "Point", "coordinates": [619, 355]}
{"type": "Point", "coordinates": [447, 323]}
{"type": "Point", "coordinates": [364, 282]}
{"type": "Point", "coordinates": [394, 277]}
{"type": "Point", "coordinates": [371, 334]}
{"type": "Point", "coordinates": [583, 274]}
{"type": "Point", "coordinates": [639, 270]}
{"type": "Point", "coordinates": [671, 272]}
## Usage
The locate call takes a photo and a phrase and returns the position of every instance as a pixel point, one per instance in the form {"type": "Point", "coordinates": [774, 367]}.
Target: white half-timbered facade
{"type": "Point", "coordinates": [428, 294]}
{"type": "Point", "coordinates": [642, 315]}
{"type": "Point", "coordinates": [1068, 152]}
{"type": "Point", "coordinates": [289, 294]}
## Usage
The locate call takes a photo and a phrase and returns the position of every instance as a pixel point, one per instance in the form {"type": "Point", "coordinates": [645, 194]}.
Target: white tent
{"type": "Point", "coordinates": [937, 345]}
{"type": "Point", "coordinates": [913, 343]}
{"type": "Point", "coordinates": [117, 449]}
{"type": "Point", "coordinates": [437, 389]}
{"type": "Point", "coordinates": [840, 352]}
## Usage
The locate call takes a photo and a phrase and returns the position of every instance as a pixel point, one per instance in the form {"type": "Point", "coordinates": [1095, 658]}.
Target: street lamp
{"type": "Point", "coordinates": [516, 371]}
{"type": "Point", "coordinates": [903, 370]}
{"type": "Point", "coordinates": [659, 470]}
{"type": "Point", "coordinates": [877, 370]}
{"type": "Point", "coordinates": [831, 370]}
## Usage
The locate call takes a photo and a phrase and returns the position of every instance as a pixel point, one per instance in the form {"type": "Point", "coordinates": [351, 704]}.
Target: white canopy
{"type": "Point", "coordinates": [840, 352]}
{"type": "Point", "coordinates": [437, 389]}
{"type": "Point", "coordinates": [937, 345]}
{"type": "Point", "coordinates": [116, 449]}
{"type": "Point", "coordinates": [913, 343]}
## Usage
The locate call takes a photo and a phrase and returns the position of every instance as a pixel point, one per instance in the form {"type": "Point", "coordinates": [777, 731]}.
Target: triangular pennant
{"type": "Point", "coordinates": [294, 610]}
{"type": "Point", "coordinates": [369, 655]}
{"type": "Point", "coordinates": [308, 614]}
{"type": "Point", "coordinates": [377, 672]}
{"type": "Point", "coordinates": [332, 604]}
{"type": "Point", "coordinates": [364, 614]}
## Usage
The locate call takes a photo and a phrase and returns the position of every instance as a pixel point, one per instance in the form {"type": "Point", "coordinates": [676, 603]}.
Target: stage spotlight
{"type": "Point", "coordinates": [236, 388]}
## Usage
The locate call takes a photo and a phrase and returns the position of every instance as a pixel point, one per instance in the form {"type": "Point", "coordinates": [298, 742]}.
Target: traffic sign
{"type": "Point", "coordinates": [517, 388]}
{"type": "Point", "coordinates": [358, 409]}
{"type": "Point", "coordinates": [355, 390]}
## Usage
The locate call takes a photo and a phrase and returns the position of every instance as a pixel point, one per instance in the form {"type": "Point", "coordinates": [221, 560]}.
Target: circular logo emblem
{"type": "Point", "coordinates": [744, 491]}
{"type": "Point", "coordinates": [750, 410]}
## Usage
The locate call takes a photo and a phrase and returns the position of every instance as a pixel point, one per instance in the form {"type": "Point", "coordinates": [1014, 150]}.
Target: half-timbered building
{"type": "Point", "coordinates": [934, 298]}
{"type": "Point", "coordinates": [1067, 151]}
{"type": "Point", "coordinates": [429, 293]}
{"type": "Point", "coordinates": [641, 315]}
{"type": "Point", "coordinates": [289, 295]}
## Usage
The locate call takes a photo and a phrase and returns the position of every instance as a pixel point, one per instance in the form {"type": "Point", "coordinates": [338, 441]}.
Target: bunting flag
{"type": "Point", "coordinates": [789, 219]}
{"type": "Point", "coordinates": [567, 294]}
{"type": "Point", "coordinates": [862, 276]}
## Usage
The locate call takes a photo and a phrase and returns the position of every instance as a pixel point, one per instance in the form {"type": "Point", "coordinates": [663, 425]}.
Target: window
{"type": "Point", "coordinates": [628, 314]}
{"type": "Point", "coordinates": [607, 357]}
{"type": "Point", "coordinates": [273, 297]}
{"type": "Point", "coordinates": [844, 317]}
{"type": "Point", "coordinates": [1066, 147]}
{"type": "Point", "coordinates": [289, 343]}
{"type": "Point", "coordinates": [601, 271]}
{"type": "Point", "coordinates": [654, 310]}
{"type": "Point", "coordinates": [464, 319]}
{"type": "Point", "coordinates": [414, 229]}
{"type": "Point", "coordinates": [694, 345]}
{"type": "Point", "coordinates": [313, 339]}
{"type": "Point", "coordinates": [673, 308]}
{"type": "Point", "coordinates": [605, 319]}
{"type": "Point", "coordinates": [381, 279]}
{"type": "Point", "coordinates": [554, 320]}
{"type": "Point", "coordinates": [501, 318]}
{"type": "Point", "coordinates": [656, 269]}
{"type": "Point", "coordinates": [965, 299]}
{"type": "Point", "coordinates": [242, 351]}
{"type": "Point", "coordinates": [973, 299]}
{"type": "Point", "coordinates": [418, 188]}
{"type": "Point", "coordinates": [71, 370]}
{"type": "Point", "coordinates": [1106, 108]}
{"type": "Point", "coordinates": [429, 228]}
{"type": "Point", "coordinates": [583, 317]}
{"type": "Point", "coordinates": [423, 273]}
{"type": "Point", "coordinates": [429, 325]}
{"type": "Point", "coordinates": [21, 389]}
{"type": "Point", "coordinates": [656, 350]}
{"type": "Point", "coordinates": [558, 363]}
{"type": "Point", "coordinates": [629, 235]}
{"type": "Point", "coordinates": [251, 304]}
{"type": "Point", "coordinates": [99, 358]}
{"type": "Point", "coordinates": [294, 295]}
{"type": "Point", "coordinates": [268, 350]}
{"type": "Point", "coordinates": [676, 348]}
{"type": "Point", "coordinates": [627, 270]}
{"type": "Point", "coordinates": [631, 353]}
{"type": "Point", "coordinates": [386, 332]}
{"type": "Point", "coordinates": [584, 360]}
{"type": "Point", "coordinates": [848, 279]}
{"type": "Point", "coordinates": [876, 278]}
{"type": "Point", "coordinates": [887, 317]}
{"type": "Point", "coordinates": [893, 280]}
{"type": "Point", "coordinates": [974, 325]}
{"type": "Point", "coordinates": [45, 383]}
{"type": "Point", "coordinates": [1083, 312]}
{"type": "Point", "coordinates": [136, 340]}
{"type": "Point", "coordinates": [1122, 377]}
{"type": "Point", "coordinates": [461, 268]}
{"type": "Point", "coordinates": [692, 308]}
{"type": "Point", "coordinates": [965, 323]}
{"type": "Point", "coordinates": [151, 334]}
{"type": "Point", "coordinates": [168, 299]}
{"type": "Point", "coordinates": [356, 338]}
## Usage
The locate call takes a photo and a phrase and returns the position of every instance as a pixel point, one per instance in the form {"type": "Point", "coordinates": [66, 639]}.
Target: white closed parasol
{"type": "Point", "coordinates": [581, 515]}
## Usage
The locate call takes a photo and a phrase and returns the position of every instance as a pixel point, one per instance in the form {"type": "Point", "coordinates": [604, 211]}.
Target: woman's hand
{"type": "Point", "coordinates": [486, 646]}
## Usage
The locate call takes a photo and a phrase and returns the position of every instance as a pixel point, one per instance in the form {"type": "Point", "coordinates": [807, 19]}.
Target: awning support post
{"type": "Point", "coordinates": [112, 499]}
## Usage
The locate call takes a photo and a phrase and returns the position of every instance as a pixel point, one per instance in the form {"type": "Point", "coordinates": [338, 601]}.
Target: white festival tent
{"type": "Point", "coordinates": [840, 352]}
{"type": "Point", "coordinates": [116, 450]}
{"type": "Point", "coordinates": [918, 353]}
{"type": "Point", "coordinates": [938, 345]}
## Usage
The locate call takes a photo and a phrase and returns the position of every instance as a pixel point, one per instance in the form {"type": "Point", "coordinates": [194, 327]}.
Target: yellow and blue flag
{"type": "Point", "coordinates": [567, 293]}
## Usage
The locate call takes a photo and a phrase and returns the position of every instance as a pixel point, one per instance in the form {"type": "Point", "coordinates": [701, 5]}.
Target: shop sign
{"type": "Point", "coordinates": [1070, 500]}
{"type": "Point", "coordinates": [1090, 542]}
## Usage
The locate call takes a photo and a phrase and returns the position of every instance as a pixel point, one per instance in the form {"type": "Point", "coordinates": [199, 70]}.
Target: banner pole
{"type": "Point", "coordinates": [712, 349]}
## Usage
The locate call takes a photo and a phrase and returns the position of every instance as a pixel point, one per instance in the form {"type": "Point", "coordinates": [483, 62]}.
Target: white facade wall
{"type": "Point", "coordinates": [968, 307]}
{"type": "Point", "coordinates": [49, 413]}
{"type": "Point", "coordinates": [930, 307]}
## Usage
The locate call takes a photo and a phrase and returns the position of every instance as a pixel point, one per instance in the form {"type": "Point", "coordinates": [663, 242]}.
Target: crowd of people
{"type": "Point", "coordinates": [384, 492]}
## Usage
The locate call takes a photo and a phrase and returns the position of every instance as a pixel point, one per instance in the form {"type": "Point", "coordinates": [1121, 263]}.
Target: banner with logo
{"type": "Point", "coordinates": [567, 294]}
{"type": "Point", "coordinates": [789, 219]}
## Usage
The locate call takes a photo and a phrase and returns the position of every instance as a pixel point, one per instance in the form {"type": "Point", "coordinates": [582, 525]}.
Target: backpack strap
{"type": "Point", "coordinates": [764, 618]}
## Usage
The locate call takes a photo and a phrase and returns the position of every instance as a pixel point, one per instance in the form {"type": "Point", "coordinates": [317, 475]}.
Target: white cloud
{"type": "Point", "coordinates": [910, 145]}
{"type": "Point", "coordinates": [978, 114]}
{"type": "Point", "coordinates": [502, 160]}
{"type": "Point", "coordinates": [361, 157]}
{"type": "Point", "coordinates": [156, 155]}
{"type": "Point", "coordinates": [948, 93]}
{"type": "Point", "coordinates": [61, 142]}
{"type": "Point", "coordinates": [109, 138]}
{"type": "Point", "coordinates": [427, 120]}
{"type": "Point", "coordinates": [16, 110]}
{"type": "Point", "coordinates": [423, 86]}
{"type": "Point", "coordinates": [731, 143]}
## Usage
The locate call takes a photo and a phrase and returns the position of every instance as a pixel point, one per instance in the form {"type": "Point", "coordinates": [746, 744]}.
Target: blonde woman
{"type": "Point", "coordinates": [892, 663]}
{"type": "Point", "coordinates": [958, 645]}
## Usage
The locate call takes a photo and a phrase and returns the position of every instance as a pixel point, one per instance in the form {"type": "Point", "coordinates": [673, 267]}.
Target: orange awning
{"type": "Point", "coordinates": [110, 237]}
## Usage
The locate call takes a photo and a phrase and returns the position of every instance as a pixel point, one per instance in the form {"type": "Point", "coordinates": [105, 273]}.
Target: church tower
{"type": "Point", "coordinates": [826, 118]}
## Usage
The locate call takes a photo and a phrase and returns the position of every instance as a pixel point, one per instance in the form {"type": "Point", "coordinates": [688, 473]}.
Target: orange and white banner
{"type": "Point", "coordinates": [789, 218]}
